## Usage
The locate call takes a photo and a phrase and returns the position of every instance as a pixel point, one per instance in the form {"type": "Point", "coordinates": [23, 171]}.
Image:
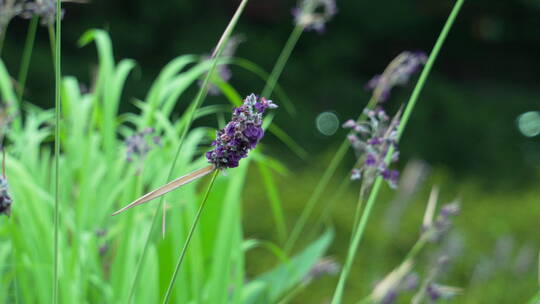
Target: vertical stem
{"type": "Point", "coordinates": [27, 54]}
{"type": "Point", "coordinates": [338, 294]}
{"type": "Point", "coordinates": [2, 37]}
{"type": "Point", "coordinates": [191, 114]}
{"type": "Point", "coordinates": [321, 185]}
{"type": "Point", "coordinates": [188, 240]}
{"type": "Point", "coordinates": [52, 41]}
{"type": "Point", "coordinates": [281, 61]}
{"type": "Point", "coordinates": [57, 103]}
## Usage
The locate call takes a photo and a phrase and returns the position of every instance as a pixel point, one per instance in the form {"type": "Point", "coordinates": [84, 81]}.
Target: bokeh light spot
{"type": "Point", "coordinates": [327, 123]}
{"type": "Point", "coordinates": [529, 123]}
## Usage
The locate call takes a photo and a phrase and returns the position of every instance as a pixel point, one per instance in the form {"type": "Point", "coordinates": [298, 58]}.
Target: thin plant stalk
{"type": "Point", "coordinates": [282, 60]}
{"type": "Point", "coordinates": [57, 103]}
{"type": "Point", "coordinates": [409, 260]}
{"type": "Point", "coordinates": [27, 54]}
{"type": "Point", "coordinates": [325, 215]}
{"type": "Point", "coordinates": [167, 297]}
{"type": "Point", "coordinates": [338, 294]}
{"type": "Point", "coordinates": [321, 185]}
{"type": "Point", "coordinates": [52, 41]}
{"type": "Point", "coordinates": [197, 103]}
{"type": "Point", "coordinates": [2, 37]}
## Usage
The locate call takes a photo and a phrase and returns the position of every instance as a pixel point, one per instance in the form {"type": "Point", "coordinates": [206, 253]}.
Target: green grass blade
{"type": "Point", "coordinates": [167, 297]}
{"type": "Point", "coordinates": [275, 201]}
{"type": "Point", "coordinates": [57, 103]}
{"type": "Point", "coordinates": [27, 54]}
{"type": "Point", "coordinates": [197, 103]}
{"type": "Point", "coordinates": [338, 294]}
{"type": "Point", "coordinates": [281, 61]}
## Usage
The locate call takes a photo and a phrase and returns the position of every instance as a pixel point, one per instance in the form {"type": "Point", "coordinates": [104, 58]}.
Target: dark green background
{"type": "Point", "coordinates": [486, 75]}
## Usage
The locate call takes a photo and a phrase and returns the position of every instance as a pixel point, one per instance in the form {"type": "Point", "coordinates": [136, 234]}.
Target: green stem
{"type": "Point", "coordinates": [27, 54]}
{"type": "Point", "coordinates": [57, 103]}
{"type": "Point", "coordinates": [338, 294]}
{"type": "Point", "coordinates": [198, 101]}
{"type": "Point", "coordinates": [188, 240]}
{"type": "Point", "coordinates": [411, 255]}
{"type": "Point", "coordinates": [281, 61]}
{"type": "Point", "coordinates": [321, 186]}
{"type": "Point", "coordinates": [2, 37]}
{"type": "Point", "coordinates": [52, 41]}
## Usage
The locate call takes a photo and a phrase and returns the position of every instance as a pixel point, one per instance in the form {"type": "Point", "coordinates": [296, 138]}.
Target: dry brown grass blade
{"type": "Point", "coordinates": [169, 187]}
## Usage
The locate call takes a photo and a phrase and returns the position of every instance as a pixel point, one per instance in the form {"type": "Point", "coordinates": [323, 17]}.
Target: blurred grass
{"type": "Point", "coordinates": [488, 216]}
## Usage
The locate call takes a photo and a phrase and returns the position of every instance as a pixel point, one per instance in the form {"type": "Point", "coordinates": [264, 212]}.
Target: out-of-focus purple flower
{"type": "Point", "coordinates": [313, 14]}
{"type": "Point", "coordinates": [241, 134]}
{"type": "Point", "coordinates": [8, 10]}
{"type": "Point", "coordinates": [44, 9]}
{"type": "Point", "coordinates": [139, 144]}
{"type": "Point", "coordinates": [325, 266]}
{"type": "Point", "coordinates": [398, 72]}
{"type": "Point", "coordinates": [5, 198]}
{"type": "Point", "coordinates": [437, 292]}
{"type": "Point", "coordinates": [438, 229]}
{"type": "Point", "coordinates": [371, 140]}
{"type": "Point", "coordinates": [223, 70]}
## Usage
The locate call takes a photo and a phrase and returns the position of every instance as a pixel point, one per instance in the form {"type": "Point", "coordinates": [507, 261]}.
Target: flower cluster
{"type": "Point", "coordinates": [371, 140]}
{"type": "Point", "coordinates": [241, 134]}
{"type": "Point", "coordinates": [432, 291]}
{"type": "Point", "coordinates": [398, 72]}
{"type": "Point", "coordinates": [406, 284]}
{"type": "Point", "coordinates": [8, 10]}
{"type": "Point", "coordinates": [308, 16]}
{"type": "Point", "coordinates": [139, 144]}
{"type": "Point", "coordinates": [438, 228]}
{"type": "Point", "coordinates": [223, 70]}
{"type": "Point", "coordinates": [44, 9]}
{"type": "Point", "coordinates": [324, 266]}
{"type": "Point", "coordinates": [5, 199]}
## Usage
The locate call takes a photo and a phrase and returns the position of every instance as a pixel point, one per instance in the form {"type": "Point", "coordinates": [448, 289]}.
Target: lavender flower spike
{"type": "Point", "coordinates": [398, 72]}
{"type": "Point", "coordinates": [241, 134]}
{"type": "Point", "coordinates": [307, 16]}
{"type": "Point", "coordinates": [233, 143]}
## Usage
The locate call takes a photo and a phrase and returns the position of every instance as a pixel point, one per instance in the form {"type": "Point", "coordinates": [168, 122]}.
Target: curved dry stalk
{"type": "Point", "coordinates": [186, 179]}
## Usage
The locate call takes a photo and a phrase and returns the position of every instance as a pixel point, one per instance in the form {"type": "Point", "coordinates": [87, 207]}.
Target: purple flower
{"type": "Point", "coordinates": [45, 10]}
{"type": "Point", "coordinates": [371, 160]}
{"type": "Point", "coordinates": [438, 229]}
{"type": "Point", "coordinates": [241, 134]}
{"type": "Point", "coordinates": [372, 140]}
{"type": "Point", "coordinates": [139, 144]}
{"type": "Point", "coordinates": [324, 266]}
{"type": "Point", "coordinates": [305, 14]}
{"type": "Point", "coordinates": [398, 72]}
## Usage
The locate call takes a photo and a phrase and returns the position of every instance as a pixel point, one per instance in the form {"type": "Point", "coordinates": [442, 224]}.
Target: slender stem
{"type": "Point", "coordinates": [57, 104]}
{"type": "Point", "coordinates": [27, 54]}
{"type": "Point", "coordinates": [188, 240]}
{"type": "Point", "coordinates": [52, 41]}
{"type": "Point", "coordinates": [338, 294]}
{"type": "Point", "coordinates": [321, 186]}
{"type": "Point", "coordinates": [409, 258]}
{"type": "Point", "coordinates": [2, 37]}
{"type": "Point", "coordinates": [281, 61]}
{"type": "Point", "coordinates": [198, 101]}
{"type": "Point", "coordinates": [357, 213]}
